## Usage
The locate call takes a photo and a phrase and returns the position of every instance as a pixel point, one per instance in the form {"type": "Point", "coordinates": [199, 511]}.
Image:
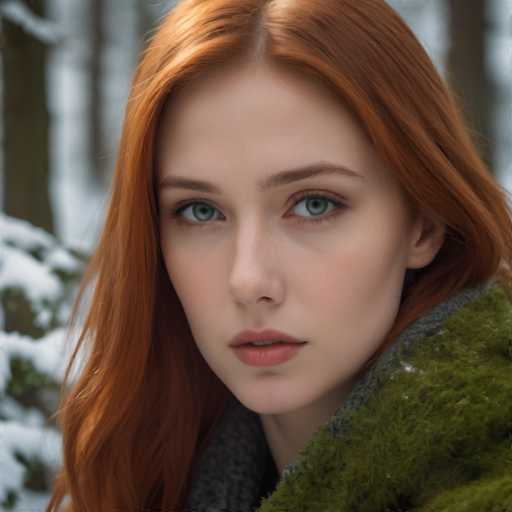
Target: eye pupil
{"type": "Point", "coordinates": [318, 200]}
{"type": "Point", "coordinates": [199, 210]}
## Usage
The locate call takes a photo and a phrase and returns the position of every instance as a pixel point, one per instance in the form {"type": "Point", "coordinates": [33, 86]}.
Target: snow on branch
{"type": "Point", "coordinates": [30, 441]}
{"type": "Point", "coordinates": [18, 13]}
{"type": "Point", "coordinates": [47, 354]}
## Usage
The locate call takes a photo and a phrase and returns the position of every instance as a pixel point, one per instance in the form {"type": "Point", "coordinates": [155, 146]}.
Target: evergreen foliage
{"type": "Point", "coordinates": [38, 281]}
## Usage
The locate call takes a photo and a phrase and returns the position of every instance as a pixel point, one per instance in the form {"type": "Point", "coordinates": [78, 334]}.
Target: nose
{"type": "Point", "coordinates": [255, 266]}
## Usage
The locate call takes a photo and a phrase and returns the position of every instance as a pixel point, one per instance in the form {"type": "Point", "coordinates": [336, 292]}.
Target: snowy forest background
{"type": "Point", "coordinates": [66, 68]}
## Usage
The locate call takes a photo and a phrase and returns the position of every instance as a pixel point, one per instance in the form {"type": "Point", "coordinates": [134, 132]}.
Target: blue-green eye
{"type": "Point", "coordinates": [316, 204]}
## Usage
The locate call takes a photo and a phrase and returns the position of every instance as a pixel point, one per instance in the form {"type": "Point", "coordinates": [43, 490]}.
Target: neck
{"type": "Point", "coordinates": [287, 433]}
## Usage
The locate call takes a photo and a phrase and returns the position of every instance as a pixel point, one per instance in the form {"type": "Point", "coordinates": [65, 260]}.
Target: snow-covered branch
{"type": "Point", "coordinates": [38, 280]}
{"type": "Point", "coordinates": [44, 30]}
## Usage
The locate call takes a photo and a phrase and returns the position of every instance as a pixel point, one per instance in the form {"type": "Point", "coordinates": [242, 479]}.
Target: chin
{"type": "Point", "coordinates": [263, 401]}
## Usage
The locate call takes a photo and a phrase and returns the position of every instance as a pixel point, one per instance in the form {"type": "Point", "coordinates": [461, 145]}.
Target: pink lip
{"type": "Point", "coordinates": [267, 355]}
{"type": "Point", "coordinates": [248, 336]}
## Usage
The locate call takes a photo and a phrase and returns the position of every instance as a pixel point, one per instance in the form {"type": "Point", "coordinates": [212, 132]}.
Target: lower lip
{"type": "Point", "coordinates": [267, 355]}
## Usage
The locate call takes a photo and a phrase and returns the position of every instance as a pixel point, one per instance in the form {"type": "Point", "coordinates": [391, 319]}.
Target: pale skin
{"type": "Point", "coordinates": [253, 264]}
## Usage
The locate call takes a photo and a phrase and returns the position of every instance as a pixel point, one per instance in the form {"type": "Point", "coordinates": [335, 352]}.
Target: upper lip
{"type": "Point", "coordinates": [248, 336]}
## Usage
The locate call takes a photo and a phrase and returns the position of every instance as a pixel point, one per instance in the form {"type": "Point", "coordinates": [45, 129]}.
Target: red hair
{"type": "Point", "coordinates": [141, 410]}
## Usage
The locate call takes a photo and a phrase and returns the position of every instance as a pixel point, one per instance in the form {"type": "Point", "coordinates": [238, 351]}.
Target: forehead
{"type": "Point", "coordinates": [260, 117]}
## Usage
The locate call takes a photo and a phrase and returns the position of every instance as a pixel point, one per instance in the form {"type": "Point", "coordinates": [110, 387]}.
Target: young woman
{"type": "Point", "coordinates": [388, 380]}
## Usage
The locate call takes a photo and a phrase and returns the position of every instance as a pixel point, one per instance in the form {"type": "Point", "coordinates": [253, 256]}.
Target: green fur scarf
{"type": "Point", "coordinates": [428, 428]}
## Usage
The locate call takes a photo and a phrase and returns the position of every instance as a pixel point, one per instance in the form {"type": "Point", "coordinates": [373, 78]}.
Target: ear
{"type": "Point", "coordinates": [426, 240]}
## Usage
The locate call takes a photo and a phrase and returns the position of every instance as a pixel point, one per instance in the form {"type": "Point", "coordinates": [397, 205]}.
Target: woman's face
{"type": "Point", "coordinates": [244, 257]}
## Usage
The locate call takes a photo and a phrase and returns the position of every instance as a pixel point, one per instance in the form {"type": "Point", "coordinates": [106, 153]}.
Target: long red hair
{"type": "Point", "coordinates": [141, 409]}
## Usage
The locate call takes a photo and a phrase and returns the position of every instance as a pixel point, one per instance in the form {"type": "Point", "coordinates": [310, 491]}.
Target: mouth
{"type": "Point", "coordinates": [264, 337]}
{"type": "Point", "coordinates": [271, 354]}
{"type": "Point", "coordinates": [270, 343]}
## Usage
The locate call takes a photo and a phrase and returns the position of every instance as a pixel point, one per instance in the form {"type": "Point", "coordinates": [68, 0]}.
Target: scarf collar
{"type": "Point", "coordinates": [232, 468]}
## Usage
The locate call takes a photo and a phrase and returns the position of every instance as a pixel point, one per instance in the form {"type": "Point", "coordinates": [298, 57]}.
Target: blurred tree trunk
{"type": "Point", "coordinates": [26, 120]}
{"type": "Point", "coordinates": [97, 150]}
{"type": "Point", "coordinates": [468, 72]}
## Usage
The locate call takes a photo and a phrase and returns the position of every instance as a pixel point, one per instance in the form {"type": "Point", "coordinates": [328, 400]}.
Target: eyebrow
{"type": "Point", "coordinates": [281, 178]}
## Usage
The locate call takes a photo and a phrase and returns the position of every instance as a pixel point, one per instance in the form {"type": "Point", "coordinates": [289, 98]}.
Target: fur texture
{"type": "Point", "coordinates": [428, 428]}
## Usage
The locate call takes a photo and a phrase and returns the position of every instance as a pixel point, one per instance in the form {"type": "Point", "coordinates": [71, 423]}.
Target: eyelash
{"type": "Point", "coordinates": [176, 213]}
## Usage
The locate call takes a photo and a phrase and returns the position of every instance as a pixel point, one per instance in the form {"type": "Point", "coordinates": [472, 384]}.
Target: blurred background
{"type": "Point", "coordinates": [66, 67]}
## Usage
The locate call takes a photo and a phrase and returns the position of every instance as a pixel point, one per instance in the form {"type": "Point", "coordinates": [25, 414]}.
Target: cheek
{"type": "Point", "coordinates": [358, 273]}
{"type": "Point", "coordinates": [353, 300]}
{"type": "Point", "coordinates": [196, 286]}
{"type": "Point", "coordinates": [332, 285]}
{"type": "Point", "coordinates": [191, 278]}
